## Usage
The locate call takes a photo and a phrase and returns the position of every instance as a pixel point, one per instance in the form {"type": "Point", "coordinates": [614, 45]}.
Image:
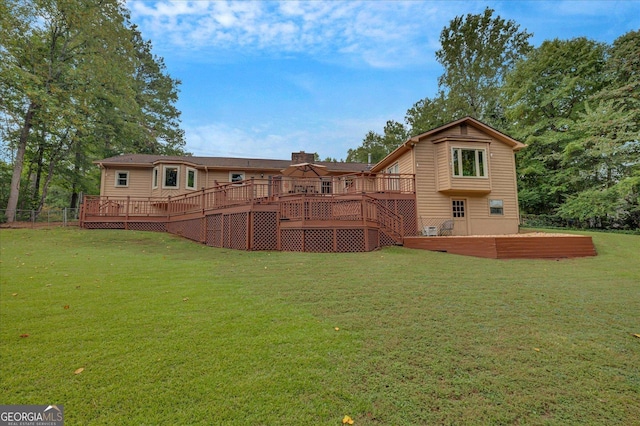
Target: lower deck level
{"type": "Point", "coordinates": [306, 224]}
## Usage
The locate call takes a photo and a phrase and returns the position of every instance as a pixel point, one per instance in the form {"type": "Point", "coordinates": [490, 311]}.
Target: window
{"type": "Point", "coordinates": [155, 177]}
{"type": "Point", "coordinates": [496, 207]}
{"type": "Point", "coordinates": [170, 177]}
{"type": "Point", "coordinates": [394, 181]}
{"type": "Point", "coordinates": [469, 162]}
{"type": "Point", "coordinates": [235, 177]}
{"type": "Point", "coordinates": [191, 178]}
{"type": "Point", "coordinates": [326, 186]}
{"type": "Point", "coordinates": [122, 178]}
{"type": "Point", "coordinates": [458, 208]}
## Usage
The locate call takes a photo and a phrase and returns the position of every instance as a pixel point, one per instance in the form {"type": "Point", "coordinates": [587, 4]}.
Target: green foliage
{"type": "Point", "coordinates": [427, 114]}
{"type": "Point", "coordinates": [477, 51]}
{"type": "Point", "coordinates": [80, 84]}
{"type": "Point", "coordinates": [575, 104]}
{"type": "Point", "coordinates": [545, 95]}
{"type": "Point", "coordinates": [173, 332]}
{"type": "Point", "coordinates": [379, 146]}
{"type": "Point", "coordinates": [5, 182]}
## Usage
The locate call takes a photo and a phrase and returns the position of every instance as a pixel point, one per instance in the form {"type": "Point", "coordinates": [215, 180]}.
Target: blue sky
{"type": "Point", "coordinates": [261, 79]}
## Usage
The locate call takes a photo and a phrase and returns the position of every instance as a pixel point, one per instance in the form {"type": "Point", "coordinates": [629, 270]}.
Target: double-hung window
{"type": "Point", "coordinates": [156, 172]}
{"type": "Point", "coordinates": [496, 207]}
{"type": "Point", "coordinates": [469, 162]}
{"type": "Point", "coordinates": [122, 178]}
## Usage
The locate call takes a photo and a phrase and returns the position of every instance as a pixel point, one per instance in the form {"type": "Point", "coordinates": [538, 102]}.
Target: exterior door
{"type": "Point", "coordinates": [459, 215]}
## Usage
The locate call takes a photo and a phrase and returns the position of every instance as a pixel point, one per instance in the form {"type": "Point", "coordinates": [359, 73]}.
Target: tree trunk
{"type": "Point", "coordinates": [18, 164]}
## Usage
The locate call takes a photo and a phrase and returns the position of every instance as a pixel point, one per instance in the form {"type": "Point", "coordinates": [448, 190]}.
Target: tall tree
{"type": "Point", "coordinates": [79, 82]}
{"type": "Point", "coordinates": [605, 155]}
{"type": "Point", "coordinates": [477, 52]}
{"type": "Point", "coordinates": [545, 95]}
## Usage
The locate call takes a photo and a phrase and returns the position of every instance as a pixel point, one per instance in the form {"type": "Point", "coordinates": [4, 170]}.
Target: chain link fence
{"type": "Point", "coordinates": [46, 217]}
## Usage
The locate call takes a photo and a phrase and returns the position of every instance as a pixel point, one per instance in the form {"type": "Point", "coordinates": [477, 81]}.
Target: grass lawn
{"type": "Point", "coordinates": [172, 332]}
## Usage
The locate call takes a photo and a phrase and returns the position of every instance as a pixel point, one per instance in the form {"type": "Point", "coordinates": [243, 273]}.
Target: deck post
{"type": "Point", "coordinates": [252, 188]}
{"type": "Point", "coordinates": [126, 218]}
{"type": "Point", "coordinates": [168, 208]}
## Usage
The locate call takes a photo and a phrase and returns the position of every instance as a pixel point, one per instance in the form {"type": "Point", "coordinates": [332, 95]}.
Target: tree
{"type": "Point", "coordinates": [544, 96]}
{"type": "Point", "coordinates": [378, 146]}
{"type": "Point", "coordinates": [605, 154]}
{"type": "Point", "coordinates": [427, 114]}
{"type": "Point", "coordinates": [78, 82]}
{"type": "Point", "coordinates": [477, 52]}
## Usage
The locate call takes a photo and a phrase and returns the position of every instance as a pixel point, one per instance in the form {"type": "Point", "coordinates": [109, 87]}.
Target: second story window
{"type": "Point", "coordinates": [469, 162]}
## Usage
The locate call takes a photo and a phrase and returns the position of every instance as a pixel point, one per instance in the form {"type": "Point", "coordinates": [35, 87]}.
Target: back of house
{"type": "Point", "coordinates": [465, 178]}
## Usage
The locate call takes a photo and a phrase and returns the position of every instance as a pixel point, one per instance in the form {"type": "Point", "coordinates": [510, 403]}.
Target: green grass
{"type": "Point", "coordinates": [172, 332]}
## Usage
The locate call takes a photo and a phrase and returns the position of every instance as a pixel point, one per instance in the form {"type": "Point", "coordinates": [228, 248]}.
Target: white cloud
{"type": "Point", "coordinates": [377, 33]}
{"type": "Point", "coordinates": [332, 138]}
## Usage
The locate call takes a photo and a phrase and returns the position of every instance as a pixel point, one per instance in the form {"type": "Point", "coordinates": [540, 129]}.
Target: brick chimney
{"type": "Point", "coordinates": [302, 157]}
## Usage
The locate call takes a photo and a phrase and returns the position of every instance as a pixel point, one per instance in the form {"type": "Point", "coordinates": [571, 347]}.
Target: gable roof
{"type": "Point", "coordinates": [485, 128]}
{"type": "Point", "coordinates": [149, 160]}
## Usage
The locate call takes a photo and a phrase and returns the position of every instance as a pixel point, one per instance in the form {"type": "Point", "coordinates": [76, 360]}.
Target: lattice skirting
{"type": "Point", "coordinates": [133, 226]}
{"type": "Point", "coordinates": [214, 230]}
{"type": "Point", "coordinates": [104, 225]}
{"type": "Point", "coordinates": [406, 209]}
{"type": "Point", "coordinates": [386, 240]}
{"type": "Point", "coordinates": [147, 226]}
{"type": "Point", "coordinates": [292, 240]}
{"type": "Point", "coordinates": [227, 230]}
{"type": "Point", "coordinates": [265, 231]}
{"type": "Point", "coordinates": [237, 236]}
{"type": "Point", "coordinates": [328, 240]}
{"type": "Point", "coordinates": [191, 229]}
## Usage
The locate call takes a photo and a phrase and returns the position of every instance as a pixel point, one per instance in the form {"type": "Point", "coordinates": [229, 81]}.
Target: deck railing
{"type": "Point", "coordinates": [249, 192]}
{"type": "Point", "coordinates": [367, 209]}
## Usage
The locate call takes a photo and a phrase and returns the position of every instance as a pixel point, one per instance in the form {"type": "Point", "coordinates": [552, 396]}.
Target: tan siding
{"type": "Point", "coordinates": [405, 163]}
{"type": "Point", "coordinates": [472, 131]}
{"type": "Point", "coordinates": [139, 183]}
{"type": "Point", "coordinates": [503, 187]}
{"type": "Point", "coordinates": [443, 163]}
{"type": "Point", "coordinates": [433, 171]}
{"type": "Point", "coordinates": [430, 203]}
{"type": "Point", "coordinates": [213, 176]}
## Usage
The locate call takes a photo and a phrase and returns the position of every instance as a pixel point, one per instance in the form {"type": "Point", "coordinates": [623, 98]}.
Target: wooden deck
{"type": "Point", "coordinates": [260, 216]}
{"type": "Point", "coordinates": [524, 246]}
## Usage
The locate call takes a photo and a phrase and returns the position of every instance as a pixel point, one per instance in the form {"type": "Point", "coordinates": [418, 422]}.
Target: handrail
{"type": "Point", "coordinates": [387, 219]}
{"type": "Point", "coordinates": [249, 191]}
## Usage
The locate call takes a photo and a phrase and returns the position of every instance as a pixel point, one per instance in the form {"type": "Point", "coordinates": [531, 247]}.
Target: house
{"type": "Point", "coordinates": [143, 175]}
{"type": "Point", "coordinates": [465, 178]}
{"type": "Point", "coordinates": [458, 179]}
